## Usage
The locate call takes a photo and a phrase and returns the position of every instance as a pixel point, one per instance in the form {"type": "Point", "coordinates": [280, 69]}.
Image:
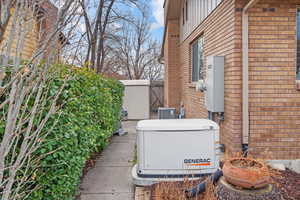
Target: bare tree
{"type": "Point", "coordinates": [96, 32]}
{"type": "Point", "coordinates": [97, 27]}
{"type": "Point", "coordinates": [136, 51]}
{"type": "Point", "coordinates": [155, 70]}
{"type": "Point", "coordinates": [25, 97]}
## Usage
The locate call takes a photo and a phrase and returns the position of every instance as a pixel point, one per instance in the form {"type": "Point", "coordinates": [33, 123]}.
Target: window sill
{"type": "Point", "coordinates": [298, 85]}
{"type": "Point", "coordinates": [193, 85]}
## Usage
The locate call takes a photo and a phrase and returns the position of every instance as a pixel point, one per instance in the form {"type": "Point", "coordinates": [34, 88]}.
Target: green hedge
{"type": "Point", "coordinates": [90, 110]}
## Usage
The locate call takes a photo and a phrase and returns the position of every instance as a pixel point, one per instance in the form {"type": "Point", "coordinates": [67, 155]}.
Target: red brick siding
{"type": "Point", "coordinates": [220, 32]}
{"type": "Point", "coordinates": [274, 102]}
{"type": "Point", "coordinates": [48, 25]}
{"type": "Point", "coordinates": [50, 16]}
{"type": "Point", "coordinates": [172, 73]}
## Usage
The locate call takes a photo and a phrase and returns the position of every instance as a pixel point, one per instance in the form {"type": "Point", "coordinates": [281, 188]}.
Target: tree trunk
{"type": "Point", "coordinates": [94, 38]}
{"type": "Point", "coordinates": [100, 50]}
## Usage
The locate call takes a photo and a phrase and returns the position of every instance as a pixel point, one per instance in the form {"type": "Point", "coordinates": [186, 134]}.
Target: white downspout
{"type": "Point", "coordinates": [245, 43]}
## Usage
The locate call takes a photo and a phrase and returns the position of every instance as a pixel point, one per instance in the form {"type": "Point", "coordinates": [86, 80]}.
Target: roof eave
{"type": "Point", "coordinates": [172, 12]}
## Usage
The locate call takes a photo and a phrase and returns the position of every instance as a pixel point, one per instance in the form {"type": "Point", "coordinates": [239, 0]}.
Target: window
{"type": "Point", "coordinates": [298, 44]}
{"type": "Point", "coordinates": [197, 59]}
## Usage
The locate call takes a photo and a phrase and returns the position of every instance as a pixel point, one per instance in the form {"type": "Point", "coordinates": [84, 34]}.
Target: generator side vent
{"type": "Point", "coordinates": [166, 113]}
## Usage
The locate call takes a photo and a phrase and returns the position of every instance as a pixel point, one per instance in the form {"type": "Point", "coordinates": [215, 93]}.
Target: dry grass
{"type": "Point", "coordinates": [168, 191]}
{"type": "Point", "coordinates": [209, 193]}
{"type": "Point", "coordinates": [176, 190]}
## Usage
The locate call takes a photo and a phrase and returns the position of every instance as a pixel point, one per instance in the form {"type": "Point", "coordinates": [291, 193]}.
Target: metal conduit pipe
{"type": "Point", "coordinates": [200, 188]}
{"type": "Point", "coordinates": [245, 46]}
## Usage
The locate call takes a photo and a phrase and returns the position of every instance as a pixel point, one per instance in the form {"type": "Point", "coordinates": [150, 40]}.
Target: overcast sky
{"type": "Point", "coordinates": [158, 18]}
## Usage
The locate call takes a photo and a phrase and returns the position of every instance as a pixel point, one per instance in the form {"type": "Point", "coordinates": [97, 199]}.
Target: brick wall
{"type": "Point", "coordinates": [172, 73]}
{"type": "Point", "coordinates": [274, 102]}
{"type": "Point", "coordinates": [36, 32]}
{"type": "Point", "coordinates": [48, 24]}
{"type": "Point", "coordinates": [29, 28]}
{"type": "Point", "coordinates": [221, 37]}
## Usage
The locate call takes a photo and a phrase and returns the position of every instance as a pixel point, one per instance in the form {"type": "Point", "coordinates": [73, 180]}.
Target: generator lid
{"type": "Point", "coordinates": [177, 125]}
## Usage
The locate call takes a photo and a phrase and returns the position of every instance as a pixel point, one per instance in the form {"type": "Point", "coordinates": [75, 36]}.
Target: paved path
{"type": "Point", "coordinates": [110, 179]}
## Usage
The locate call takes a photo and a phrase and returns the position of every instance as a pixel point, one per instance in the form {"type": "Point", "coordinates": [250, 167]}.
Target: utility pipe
{"type": "Point", "coordinates": [245, 46]}
{"type": "Point", "coordinates": [201, 187]}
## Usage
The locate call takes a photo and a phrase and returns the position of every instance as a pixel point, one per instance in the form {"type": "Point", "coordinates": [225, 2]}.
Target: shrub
{"type": "Point", "coordinates": [89, 110]}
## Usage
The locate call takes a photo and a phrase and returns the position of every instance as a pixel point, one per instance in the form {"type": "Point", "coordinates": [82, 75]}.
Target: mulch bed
{"type": "Point", "coordinates": [225, 191]}
{"type": "Point", "coordinates": [287, 183]}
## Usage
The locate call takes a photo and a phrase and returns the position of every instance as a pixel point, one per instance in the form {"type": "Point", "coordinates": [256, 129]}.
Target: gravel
{"type": "Point", "coordinates": [226, 193]}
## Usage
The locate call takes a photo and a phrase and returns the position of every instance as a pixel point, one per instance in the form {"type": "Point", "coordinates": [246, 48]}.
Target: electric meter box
{"type": "Point", "coordinates": [175, 148]}
{"type": "Point", "coordinates": [215, 84]}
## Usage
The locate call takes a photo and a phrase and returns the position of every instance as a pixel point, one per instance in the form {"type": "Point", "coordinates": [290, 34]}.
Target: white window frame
{"type": "Point", "coordinates": [199, 62]}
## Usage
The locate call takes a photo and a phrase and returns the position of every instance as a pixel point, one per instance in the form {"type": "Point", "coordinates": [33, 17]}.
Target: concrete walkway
{"type": "Point", "coordinates": [110, 179]}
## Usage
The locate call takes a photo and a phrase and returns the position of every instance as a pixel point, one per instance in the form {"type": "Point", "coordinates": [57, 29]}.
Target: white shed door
{"type": "Point", "coordinates": [137, 102]}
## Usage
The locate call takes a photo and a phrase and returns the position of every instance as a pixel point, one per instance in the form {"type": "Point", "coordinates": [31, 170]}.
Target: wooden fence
{"type": "Point", "coordinates": [156, 95]}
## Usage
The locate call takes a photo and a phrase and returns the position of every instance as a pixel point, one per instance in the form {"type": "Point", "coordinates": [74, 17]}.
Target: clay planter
{"type": "Point", "coordinates": [246, 173]}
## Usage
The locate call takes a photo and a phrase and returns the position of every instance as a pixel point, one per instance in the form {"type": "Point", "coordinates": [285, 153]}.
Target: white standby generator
{"type": "Point", "coordinates": [173, 149]}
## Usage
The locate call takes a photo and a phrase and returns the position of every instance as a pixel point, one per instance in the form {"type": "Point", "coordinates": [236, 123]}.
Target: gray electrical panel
{"type": "Point", "coordinates": [214, 97]}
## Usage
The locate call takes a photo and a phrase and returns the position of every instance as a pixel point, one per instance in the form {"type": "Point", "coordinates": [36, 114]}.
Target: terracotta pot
{"type": "Point", "coordinates": [246, 173]}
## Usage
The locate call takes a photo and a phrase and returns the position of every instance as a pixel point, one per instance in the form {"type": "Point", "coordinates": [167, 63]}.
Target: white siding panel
{"type": "Point", "coordinates": [198, 10]}
{"type": "Point", "coordinates": [202, 9]}
{"type": "Point", "coordinates": [197, 13]}
{"type": "Point", "coordinates": [205, 8]}
{"type": "Point", "coordinates": [191, 19]}
{"type": "Point", "coordinates": [214, 3]}
{"type": "Point", "coordinates": [194, 14]}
